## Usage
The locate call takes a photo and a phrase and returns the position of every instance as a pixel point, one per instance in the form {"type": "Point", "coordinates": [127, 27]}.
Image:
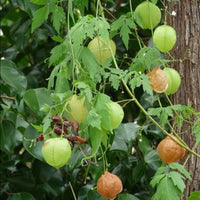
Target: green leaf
{"type": "Point", "coordinates": [81, 5]}
{"type": "Point", "coordinates": [101, 108]}
{"type": "Point", "coordinates": [166, 190]}
{"type": "Point", "coordinates": [94, 195]}
{"type": "Point", "coordinates": [196, 130]}
{"type": "Point", "coordinates": [194, 195]}
{"type": "Point", "coordinates": [180, 168]}
{"type": "Point", "coordinates": [93, 119]}
{"type": "Point", "coordinates": [177, 179]}
{"type": "Point", "coordinates": [11, 76]}
{"type": "Point", "coordinates": [37, 98]}
{"type": "Point", "coordinates": [141, 79]}
{"type": "Point", "coordinates": [30, 144]}
{"type": "Point", "coordinates": [156, 180]}
{"type": "Point", "coordinates": [21, 196]}
{"type": "Point", "coordinates": [124, 24]}
{"type": "Point", "coordinates": [115, 81]}
{"type": "Point", "coordinates": [39, 17]}
{"type": "Point", "coordinates": [124, 134]}
{"type": "Point", "coordinates": [58, 54]}
{"type": "Point", "coordinates": [95, 139]}
{"type": "Point", "coordinates": [9, 138]}
{"type": "Point", "coordinates": [146, 58]}
{"type": "Point", "coordinates": [70, 9]}
{"type": "Point", "coordinates": [58, 15]}
{"type": "Point", "coordinates": [39, 2]}
{"type": "Point", "coordinates": [91, 65]}
{"type": "Point", "coordinates": [127, 196]}
{"type": "Point", "coordinates": [152, 159]}
{"type": "Point", "coordinates": [144, 144]}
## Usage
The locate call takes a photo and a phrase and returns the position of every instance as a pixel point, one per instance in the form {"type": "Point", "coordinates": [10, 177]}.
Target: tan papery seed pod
{"type": "Point", "coordinates": [158, 79]}
{"type": "Point", "coordinates": [109, 185]}
{"type": "Point", "coordinates": [169, 151]}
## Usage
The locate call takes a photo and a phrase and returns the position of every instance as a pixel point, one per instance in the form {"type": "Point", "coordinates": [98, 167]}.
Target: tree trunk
{"type": "Point", "coordinates": [187, 25]}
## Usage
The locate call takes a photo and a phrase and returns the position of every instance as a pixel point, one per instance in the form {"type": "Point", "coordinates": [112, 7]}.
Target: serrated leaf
{"type": "Point", "coordinates": [145, 58]}
{"type": "Point", "coordinates": [58, 15]}
{"type": "Point", "coordinates": [140, 79]}
{"type": "Point", "coordinates": [177, 179]}
{"type": "Point", "coordinates": [180, 168]}
{"type": "Point", "coordinates": [93, 119]}
{"type": "Point", "coordinates": [124, 24]}
{"type": "Point", "coordinates": [39, 17]}
{"type": "Point", "coordinates": [115, 81]}
{"type": "Point", "coordinates": [58, 53]}
{"type": "Point", "coordinates": [166, 190]}
{"type": "Point", "coordinates": [85, 89]}
{"type": "Point", "coordinates": [124, 32]}
{"type": "Point", "coordinates": [156, 180]}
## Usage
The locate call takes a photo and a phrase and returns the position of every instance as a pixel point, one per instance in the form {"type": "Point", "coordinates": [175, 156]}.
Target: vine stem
{"type": "Point", "coordinates": [7, 97]}
{"type": "Point", "coordinates": [178, 141]}
{"type": "Point", "coordinates": [156, 123]}
{"type": "Point", "coordinates": [72, 191]}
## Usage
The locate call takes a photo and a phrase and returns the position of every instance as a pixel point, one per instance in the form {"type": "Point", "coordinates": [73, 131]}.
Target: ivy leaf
{"type": "Point", "coordinates": [58, 15]}
{"type": "Point", "coordinates": [40, 16]}
{"type": "Point", "coordinates": [177, 179]}
{"type": "Point", "coordinates": [166, 190]}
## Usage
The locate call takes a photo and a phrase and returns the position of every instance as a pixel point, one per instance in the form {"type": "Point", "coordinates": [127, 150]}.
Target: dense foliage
{"type": "Point", "coordinates": [53, 85]}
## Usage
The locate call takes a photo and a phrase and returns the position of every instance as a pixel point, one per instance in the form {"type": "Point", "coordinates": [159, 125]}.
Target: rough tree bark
{"type": "Point", "coordinates": [187, 24]}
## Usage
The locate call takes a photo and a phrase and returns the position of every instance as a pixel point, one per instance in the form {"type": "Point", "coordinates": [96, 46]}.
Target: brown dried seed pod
{"type": "Point", "coordinates": [169, 151]}
{"type": "Point", "coordinates": [158, 79]}
{"type": "Point", "coordinates": [109, 185]}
